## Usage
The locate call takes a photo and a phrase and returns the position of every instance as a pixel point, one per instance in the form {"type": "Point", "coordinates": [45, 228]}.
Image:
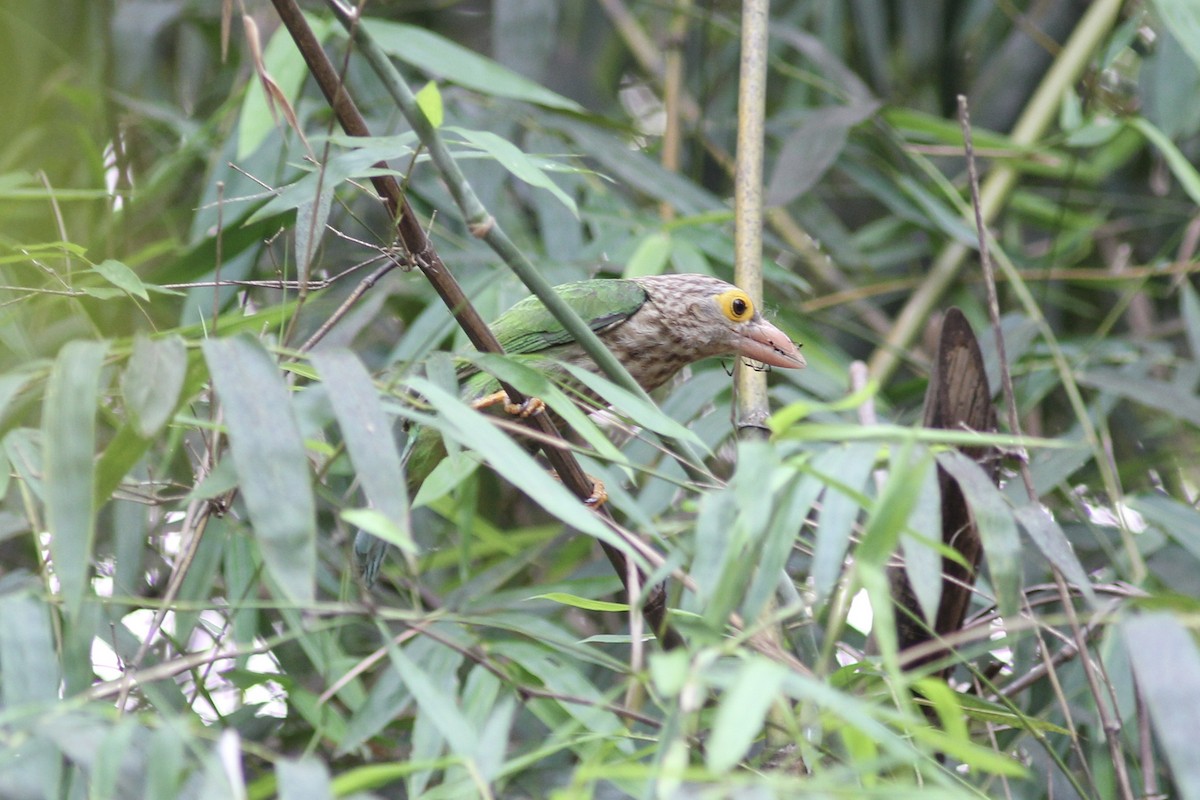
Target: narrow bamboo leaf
{"type": "Point", "coordinates": [494, 739]}
{"type": "Point", "coordinates": [322, 178]}
{"type": "Point", "coordinates": [741, 712]}
{"type": "Point", "coordinates": [152, 381]}
{"type": "Point", "coordinates": [649, 257]}
{"type": "Point", "coordinates": [1178, 520]}
{"type": "Point", "coordinates": [854, 710]}
{"type": "Point", "coordinates": [790, 512]}
{"type": "Point", "coordinates": [942, 216]}
{"type": "Point", "coordinates": [978, 758]}
{"type": "Point", "coordinates": [453, 62]}
{"type": "Point", "coordinates": [439, 707]}
{"type": "Point", "coordinates": [645, 414]}
{"type": "Point", "coordinates": [305, 778]}
{"type": "Point", "coordinates": [714, 525]}
{"type": "Point", "coordinates": [10, 385]}
{"type": "Point", "coordinates": [922, 561]}
{"type": "Point", "coordinates": [1182, 19]}
{"type": "Point", "coordinates": [116, 754]}
{"type": "Point", "coordinates": [997, 527]}
{"type": "Point", "coordinates": [565, 679]}
{"type": "Point", "coordinates": [811, 148]}
{"type": "Point", "coordinates": [891, 510]}
{"type": "Point", "coordinates": [1190, 306]}
{"type": "Point", "coordinates": [849, 467]}
{"type": "Point", "coordinates": [1181, 167]}
{"type": "Point", "coordinates": [69, 441]}
{"type": "Point", "coordinates": [535, 383]}
{"type": "Point", "coordinates": [1167, 667]}
{"type": "Point", "coordinates": [28, 663]}
{"type": "Point", "coordinates": [124, 451]}
{"type": "Point", "coordinates": [945, 702]}
{"type": "Point", "coordinates": [1170, 398]}
{"type": "Point", "coordinates": [380, 526]}
{"type": "Point", "coordinates": [367, 432]}
{"type": "Point", "coordinates": [122, 277]}
{"type": "Point", "coordinates": [517, 163]}
{"type": "Point", "coordinates": [164, 763]}
{"type": "Point", "coordinates": [1050, 539]}
{"type": "Point", "coordinates": [473, 430]}
{"type": "Point", "coordinates": [311, 217]}
{"type": "Point", "coordinates": [585, 603]}
{"type": "Point", "coordinates": [270, 458]}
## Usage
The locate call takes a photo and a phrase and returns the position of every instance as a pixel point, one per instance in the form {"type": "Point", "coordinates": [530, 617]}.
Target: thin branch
{"type": "Point", "coordinates": [1040, 112]}
{"type": "Point", "coordinates": [1110, 720]}
{"type": "Point", "coordinates": [422, 253]}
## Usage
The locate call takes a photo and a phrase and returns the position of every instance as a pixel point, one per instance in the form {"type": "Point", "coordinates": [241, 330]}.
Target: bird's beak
{"type": "Point", "coordinates": [763, 342]}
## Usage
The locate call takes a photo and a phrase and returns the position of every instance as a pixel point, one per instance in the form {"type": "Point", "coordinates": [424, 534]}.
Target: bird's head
{"type": "Point", "coordinates": [717, 318]}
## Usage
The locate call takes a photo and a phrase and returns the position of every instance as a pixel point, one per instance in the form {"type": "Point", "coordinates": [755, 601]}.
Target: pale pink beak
{"type": "Point", "coordinates": [763, 342]}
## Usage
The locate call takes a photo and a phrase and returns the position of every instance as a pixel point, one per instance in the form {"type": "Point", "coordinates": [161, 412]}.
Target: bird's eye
{"type": "Point", "coordinates": [736, 305]}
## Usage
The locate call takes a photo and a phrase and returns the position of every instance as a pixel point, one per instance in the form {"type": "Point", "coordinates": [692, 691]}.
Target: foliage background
{"type": "Point", "coordinates": [140, 165]}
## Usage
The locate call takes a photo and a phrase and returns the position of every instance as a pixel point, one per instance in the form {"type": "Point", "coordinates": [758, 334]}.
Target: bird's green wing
{"type": "Point", "coordinates": [528, 327]}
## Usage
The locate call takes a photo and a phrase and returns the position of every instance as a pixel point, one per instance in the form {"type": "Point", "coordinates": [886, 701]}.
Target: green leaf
{"type": "Point", "coordinates": [536, 383]}
{"type": "Point", "coordinates": [453, 62]}
{"type": "Point", "coordinates": [642, 413]}
{"type": "Point", "coordinates": [811, 148]}
{"type": "Point", "coordinates": [1190, 308]}
{"type": "Point", "coordinates": [997, 527]}
{"type": "Point", "coordinates": [122, 277]}
{"type": "Point", "coordinates": [1182, 19]}
{"type": "Point", "coordinates": [650, 257]}
{"type": "Point", "coordinates": [268, 452]}
{"type": "Point", "coordinates": [849, 466]}
{"type": "Point", "coordinates": [381, 526]}
{"type": "Point", "coordinates": [1050, 539]}
{"type": "Point", "coordinates": [311, 217]}
{"type": "Point", "coordinates": [439, 707]}
{"type": "Point", "coordinates": [741, 712]}
{"type": "Point", "coordinates": [429, 100]}
{"type": "Point", "coordinates": [923, 561]}
{"type": "Point", "coordinates": [1180, 166]}
{"type": "Point", "coordinates": [474, 431]}
{"type": "Point", "coordinates": [29, 672]}
{"type": "Point", "coordinates": [69, 439]}
{"type": "Point", "coordinates": [152, 381]}
{"type": "Point", "coordinates": [367, 432]}
{"type": "Point", "coordinates": [306, 778]}
{"type": "Point", "coordinates": [977, 757]}
{"type": "Point", "coordinates": [587, 604]}
{"type": "Point", "coordinates": [1172, 398]}
{"type": "Point", "coordinates": [1167, 667]}
{"type": "Point", "coordinates": [520, 165]}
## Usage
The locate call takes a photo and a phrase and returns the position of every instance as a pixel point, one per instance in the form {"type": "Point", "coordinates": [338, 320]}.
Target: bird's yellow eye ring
{"type": "Point", "coordinates": [736, 305]}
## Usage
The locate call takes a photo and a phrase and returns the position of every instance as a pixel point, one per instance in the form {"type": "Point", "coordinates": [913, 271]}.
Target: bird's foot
{"type": "Point", "coordinates": [599, 495]}
{"type": "Point", "coordinates": [531, 407]}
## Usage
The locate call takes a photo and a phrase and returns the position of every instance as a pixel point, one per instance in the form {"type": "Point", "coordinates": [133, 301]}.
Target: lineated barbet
{"type": "Point", "coordinates": [655, 325]}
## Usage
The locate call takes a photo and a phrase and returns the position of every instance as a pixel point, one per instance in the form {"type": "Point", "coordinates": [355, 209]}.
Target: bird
{"type": "Point", "coordinates": [655, 325]}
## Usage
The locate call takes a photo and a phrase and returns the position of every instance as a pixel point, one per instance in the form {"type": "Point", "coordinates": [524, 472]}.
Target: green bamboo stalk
{"type": "Point", "coordinates": [751, 384]}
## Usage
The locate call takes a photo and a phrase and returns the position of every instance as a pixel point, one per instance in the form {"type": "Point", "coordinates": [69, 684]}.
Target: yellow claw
{"type": "Point", "coordinates": [531, 407]}
{"type": "Point", "coordinates": [599, 495]}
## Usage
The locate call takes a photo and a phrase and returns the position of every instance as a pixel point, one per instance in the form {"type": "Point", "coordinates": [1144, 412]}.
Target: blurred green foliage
{"type": "Point", "coordinates": [155, 220]}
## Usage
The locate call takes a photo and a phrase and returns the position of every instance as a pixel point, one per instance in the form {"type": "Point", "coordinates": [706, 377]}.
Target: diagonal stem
{"type": "Point", "coordinates": [422, 253]}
